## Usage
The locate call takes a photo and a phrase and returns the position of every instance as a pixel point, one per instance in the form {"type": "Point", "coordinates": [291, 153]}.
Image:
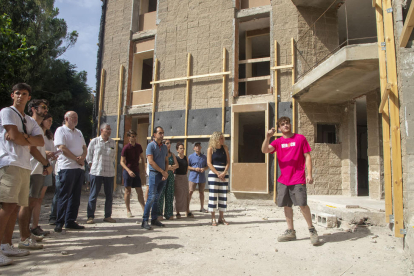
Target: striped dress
{"type": "Point", "coordinates": [218, 189]}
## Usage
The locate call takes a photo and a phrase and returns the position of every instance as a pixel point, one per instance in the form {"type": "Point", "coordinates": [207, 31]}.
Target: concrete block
{"type": "Point", "coordinates": [314, 218]}
{"type": "Point", "coordinates": [327, 220]}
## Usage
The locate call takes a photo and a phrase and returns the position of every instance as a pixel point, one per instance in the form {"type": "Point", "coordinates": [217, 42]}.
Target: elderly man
{"type": "Point", "coordinates": [18, 131]}
{"type": "Point", "coordinates": [101, 157]}
{"type": "Point", "coordinates": [71, 171]}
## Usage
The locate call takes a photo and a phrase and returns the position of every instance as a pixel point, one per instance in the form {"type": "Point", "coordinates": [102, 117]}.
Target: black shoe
{"type": "Point", "coordinates": [52, 222]}
{"type": "Point", "coordinates": [74, 225]}
{"type": "Point", "coordinates": [145, 225]}
{"type": "Point", "coordinates": [156, 222]}
{"type": "Point", "coordinates": [58, 228]}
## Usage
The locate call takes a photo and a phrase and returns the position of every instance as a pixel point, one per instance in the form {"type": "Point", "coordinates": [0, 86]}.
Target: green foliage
{"type": "Point", "coordinates": [44, 38]}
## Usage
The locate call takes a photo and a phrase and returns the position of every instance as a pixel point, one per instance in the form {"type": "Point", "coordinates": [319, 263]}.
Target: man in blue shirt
{"type": "Point", "coordinates": [197, 165]}
{"type": "Point", "coordinates": [157, 155]}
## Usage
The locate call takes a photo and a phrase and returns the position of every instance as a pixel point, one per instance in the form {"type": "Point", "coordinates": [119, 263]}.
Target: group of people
{"type": "Point", "coordinates": [30, 155]}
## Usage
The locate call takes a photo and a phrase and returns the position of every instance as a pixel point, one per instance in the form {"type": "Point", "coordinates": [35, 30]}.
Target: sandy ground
{"type": "Point", "coordinates": [247, 246]}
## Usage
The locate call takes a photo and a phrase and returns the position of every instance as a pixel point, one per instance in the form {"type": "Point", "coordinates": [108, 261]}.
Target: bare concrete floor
{"type": "Point", "coordinates": [247, 246]}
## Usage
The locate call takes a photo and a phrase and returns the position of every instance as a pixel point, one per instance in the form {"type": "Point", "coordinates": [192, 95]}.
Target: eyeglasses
{"type": "Point", "coordinates": [167, 143]}
{"type": "Point", "coordinates": [43, 106]}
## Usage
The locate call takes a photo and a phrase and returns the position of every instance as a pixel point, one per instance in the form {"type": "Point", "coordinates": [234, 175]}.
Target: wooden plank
{"type": "Point", "coordinates": [223, 103]}
{"type": "Point", "coordinates": [121, 82]}
{"type": "Point", "coordinates": [101, 89]}
{"type": "Point", "coordinates": [293, 83]}
{"type": "Point", "coordinates": [249, 178]}
{"type": "Point", "coordinates": [242, 108]}
{"type": "Point", "coordinates": [275, 89]}
{"type": "Point", "coordinates": [255, 79]}
{"type": "Point", "coordinates": [374, 2]}
{"type": "Point", "coordinates": [394, 119]}
{"type": "Point", "coordinates": [290, 66]}
{"type": "Point", "coordinates": [154, 95]}
{"type": "Point", "coordinates": [187, 97]}
{"type": "Point", "coordinates": [408, 27]}
{"type": "Point", "coordinates": [191, 77]}
{"type": "Point", "coordinates": [384, 97]}
{"type": "Point", "coordinates": [253, 60]}
{"type": "Point", "coordinates": [385, 115]}
{"type": "Point", "coordinates": [189, 137]}
{"type": "Point", "coordinates": [267, 154]}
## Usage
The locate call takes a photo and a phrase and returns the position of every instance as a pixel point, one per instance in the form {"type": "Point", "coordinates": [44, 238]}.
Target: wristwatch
{"type": "Point", "coordinates": [47, 165]}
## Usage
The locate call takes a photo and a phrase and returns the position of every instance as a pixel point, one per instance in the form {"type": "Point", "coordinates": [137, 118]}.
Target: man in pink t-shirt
{"type": "Point", "coordinates": [293, 156]}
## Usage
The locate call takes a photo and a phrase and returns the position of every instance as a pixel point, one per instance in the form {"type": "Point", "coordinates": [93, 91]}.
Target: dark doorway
{"type": "Point", "coordinates": [251, 136]}
{"type": "Point", "coordinates": [362, 147]}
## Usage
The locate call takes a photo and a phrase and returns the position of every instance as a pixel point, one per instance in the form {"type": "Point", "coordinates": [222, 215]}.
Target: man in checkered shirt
{"type": "Point", "coordinates": [101, 158]}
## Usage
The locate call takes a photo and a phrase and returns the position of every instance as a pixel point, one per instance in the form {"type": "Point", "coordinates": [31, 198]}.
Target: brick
{"type": "Point", "coordinates": [327, 220]}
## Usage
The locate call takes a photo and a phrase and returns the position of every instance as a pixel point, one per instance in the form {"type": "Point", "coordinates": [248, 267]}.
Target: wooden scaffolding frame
{"type": "Point", "coordinates": [188, 79]}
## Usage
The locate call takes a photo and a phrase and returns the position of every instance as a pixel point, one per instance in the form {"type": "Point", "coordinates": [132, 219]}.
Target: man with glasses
{"type": "Point", "coordinates": [157, 154]}
{"type": "Point", "coordinates": [71, 166]}
{"type": "Point", "coordinates": [18, 132]}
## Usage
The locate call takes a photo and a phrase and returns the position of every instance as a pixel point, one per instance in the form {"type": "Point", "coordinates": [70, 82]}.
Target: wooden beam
{"type": "Point", "coordinates": [255, 79]}
{"type": "Point", "coordinates": [385, 115]}
{"type": "Point", "coordinates": [191, 77]}
{"type": "Point", "coordinates": [101, 89]}
{"type": "Point", "coordinates": [187, 99]}
{"type": "Point", "coordinates": [293, 83]}
{"type": "Point", "coordinates": [254, 60]}
{"type": "Point", "coordinates": [189, 137]}
{"type": "Point", "coordinates": [394, 119]}
{"type": "Point", "coordinates": [275, 89]}
{"type": "Point", "coordinates": [223, 103]}
{"type": "Point", "coordinates": [120, 85]}
{"type": "Point", "coordinates": [290, 66]}
{"type": "Point", "coordinates": [384, 97]}
{"type": "Point", "coordinates": [154, 95]}
{"type": "Point", "coordinates": [408, 27]}
{"type": "Point", "coordinates": [374, 2]}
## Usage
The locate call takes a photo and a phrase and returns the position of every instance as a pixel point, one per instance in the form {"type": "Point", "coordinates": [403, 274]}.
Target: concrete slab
{"type": "Point", "coordinates": [323, 4]}
{"type": "Point", "coordinates": [347, 74]}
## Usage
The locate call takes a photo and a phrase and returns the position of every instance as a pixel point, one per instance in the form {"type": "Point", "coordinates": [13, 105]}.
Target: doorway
{"type": "Point", "coordinates": [362, 147]}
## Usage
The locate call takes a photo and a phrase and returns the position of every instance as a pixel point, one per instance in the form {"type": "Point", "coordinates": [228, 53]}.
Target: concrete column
{"type": "Point", "coordinates": [349, 152]}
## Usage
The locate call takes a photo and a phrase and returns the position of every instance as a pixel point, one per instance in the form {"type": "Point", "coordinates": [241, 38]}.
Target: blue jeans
{"type": "Point", "coordinates": [53, 211]}
{"type": "Point", "coordinates": [96, 183]}
{"type": "Point", "coordinates": [156, 184]}
{"type": "Point", "coordinates": [71, 181]}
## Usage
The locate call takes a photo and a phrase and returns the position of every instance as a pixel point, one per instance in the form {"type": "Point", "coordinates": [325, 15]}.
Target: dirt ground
{"type": "Point", "coordinates": [247, 246]}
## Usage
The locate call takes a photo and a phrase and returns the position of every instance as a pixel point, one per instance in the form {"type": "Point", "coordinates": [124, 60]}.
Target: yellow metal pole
{"type": "Point", "coordinates": [187, 98]}
{"type": "Point", "coordinates": [154, 96]}
{"type": "Point", "coordinates": [101, 89]}
{"type": "Point", "coordinates": [394, 119]}
{"type": "Point", "coordinates": [121, 82]}
{"type": "Point", "coordinates": [384, 114]}
{"type": "Point", "coordinates": [223, 108]}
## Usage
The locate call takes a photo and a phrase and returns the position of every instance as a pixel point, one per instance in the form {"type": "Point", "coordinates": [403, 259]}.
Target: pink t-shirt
{"type": "Point", "coordinates": [290, 155]}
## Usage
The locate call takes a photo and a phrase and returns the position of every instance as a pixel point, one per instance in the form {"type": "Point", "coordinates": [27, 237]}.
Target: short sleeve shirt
{"type": "Point", "coordinates": [290, 155]}
{"type": "Point", "coordinates": [37, 167]}
{"type": "Point", "coordinates": [12, 154]}
{"type": "Point", "coordinates": [74, 141]}
{"type": "Point", "coordinates": [102, 156]}
{"type": "Point", "coordinates": [158, 152]}
{"type": "Point", "coordinates": [131, 154]}
{"type": "Point", "coordinates": [197, 161]}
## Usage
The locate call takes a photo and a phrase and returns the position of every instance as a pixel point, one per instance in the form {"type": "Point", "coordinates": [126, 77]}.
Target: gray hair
{"type": "Point", "coordinates": [104, 125]}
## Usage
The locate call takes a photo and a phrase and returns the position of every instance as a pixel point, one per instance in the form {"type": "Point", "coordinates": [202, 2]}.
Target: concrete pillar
{"type": "Point", "coordinates": [349, 151]}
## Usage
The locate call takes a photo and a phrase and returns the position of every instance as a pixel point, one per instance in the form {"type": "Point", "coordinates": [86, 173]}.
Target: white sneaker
{"type": "Point", "coordinates": [9, 251]}
{"type": "Point", "coordinates": [5, 260]}
{"type": "Point", "coordinates": [37, 238]}
{"type": "Point", "coordinates": [30, 244]}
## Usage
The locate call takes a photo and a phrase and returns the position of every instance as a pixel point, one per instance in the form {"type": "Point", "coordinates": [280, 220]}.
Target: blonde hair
{"type": "Point", "coordinates": [214, 142]}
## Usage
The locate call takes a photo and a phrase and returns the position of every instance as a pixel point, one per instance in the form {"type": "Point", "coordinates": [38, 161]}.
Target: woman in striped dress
{"type": "Point", "coordinates": [218, 161]}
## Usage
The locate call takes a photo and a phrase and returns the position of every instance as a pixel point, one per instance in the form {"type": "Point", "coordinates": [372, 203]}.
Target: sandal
{"type": "Point", "coordinates": [203, 211]}
{"type": "Point", "coordinates": [190, 215]}
{"type": "Point", "coordinates": [213, 222]}
{"type": "Point", "coordinates": [178, 216]}
{"type": "Point", "coordinates": [223, 221]}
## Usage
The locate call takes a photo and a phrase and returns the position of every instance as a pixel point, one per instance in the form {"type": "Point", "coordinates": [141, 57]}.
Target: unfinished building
{"type": "Point", "coordinates": [198, 66]}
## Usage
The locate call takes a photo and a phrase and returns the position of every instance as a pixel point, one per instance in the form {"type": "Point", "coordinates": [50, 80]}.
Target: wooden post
{"type": "Point", "coordinates": [154, 95]}
{"type": "Point", "coordinates": [275, 91]}
{"type": "Point", "coordinates": [394, 119]}
{"type": "Point", "coordinates": [223, 109]}
{"type": "Point", "coordinates": [293, 82]}
{"type": "Point", "coordinates": [121, 82]}
{"type": "Point", "coordinates": [101, 89]}
{"type": "Point", "coordinates": [384, 114]}
{"type": "Point", "coordinates": [187, 99]}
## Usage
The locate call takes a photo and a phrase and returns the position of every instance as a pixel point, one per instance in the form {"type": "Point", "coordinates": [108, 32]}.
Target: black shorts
{"type": "Point", "coordinates": [133, 182]}
{"type": "Point", "coordinates": [293, 194]}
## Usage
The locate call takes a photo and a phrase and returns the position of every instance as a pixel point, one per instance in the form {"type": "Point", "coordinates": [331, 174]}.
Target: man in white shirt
{"type": "Point", "coordinates": [40, 167]}
{"type": "Point", "coordinates": [17, 132]}
{"type": "Point", "coordinates": [101, 157]}
{"type": "Point", "coordinates": [71, 171]}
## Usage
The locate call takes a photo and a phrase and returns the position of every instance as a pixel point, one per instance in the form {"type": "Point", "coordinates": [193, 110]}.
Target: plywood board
{"type": "Point", "coordinates": [249, 107]}
{"type": "Point", "coordinates": [145, 45]}
{"type": "Point", "coordinates": [249, 178]}
{"type": "Point", "coordinates": [247, 4]}
{"type": "Point", "coordinates": [142, 97]}
{"type": "Point", "coordinates": [147, 21]}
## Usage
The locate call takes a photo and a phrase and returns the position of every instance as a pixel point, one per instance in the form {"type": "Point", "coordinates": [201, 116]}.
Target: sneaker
{"type": "Point", "coordinates": [30, 244]}
{"type": "Point", "coordinates": [156, 222]}
{"type": "Point", "coordinates": [9, 251]}
{"type": "Point", "coordinates": [37, 238]}
{"type": "Point", "coordinates": [90, 221]}
{"type": "Point", "coordinates": [111, 220]}
{"type": "Point", "coordinates": [289, 235]}
{"type": "Point", "coordinates": [145, 225]}
{"type": "Point", "coordinates": [52, 222]}
{"type": "Point", "coordinates": [314, 238]}
{"type": "Point", "coordinates": [58, 228]}
{"type": "Point", "coordinates": [129, 215]}
{"type": "Point", "coordinates": [38, 231]}
{"type": "Point", "coordinates": [74, 225]}
{"type": "Point", "coordinates": [4, 260]}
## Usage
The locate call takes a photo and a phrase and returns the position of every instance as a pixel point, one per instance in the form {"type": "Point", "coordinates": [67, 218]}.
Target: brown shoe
{"type": "Point", "coordinates": [111, 220]}
{"type": "Point", "coordinates": [289, 235]}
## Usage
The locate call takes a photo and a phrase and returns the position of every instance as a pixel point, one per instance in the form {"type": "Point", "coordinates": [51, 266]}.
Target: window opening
{"type": "Point", "coordinates": [326, 134]}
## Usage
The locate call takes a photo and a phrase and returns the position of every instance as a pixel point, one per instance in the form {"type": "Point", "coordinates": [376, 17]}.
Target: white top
{"type": "Point", "coordinates": [50, 146]}
{"type": "Point", "coordinates": [74, 141]}
{"type": "Point", "coordinates": [102, 156]}
{"type": "Point", "coordinates": [37, 167]}
{"type": "Point", "coordinates": [12, 154]}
